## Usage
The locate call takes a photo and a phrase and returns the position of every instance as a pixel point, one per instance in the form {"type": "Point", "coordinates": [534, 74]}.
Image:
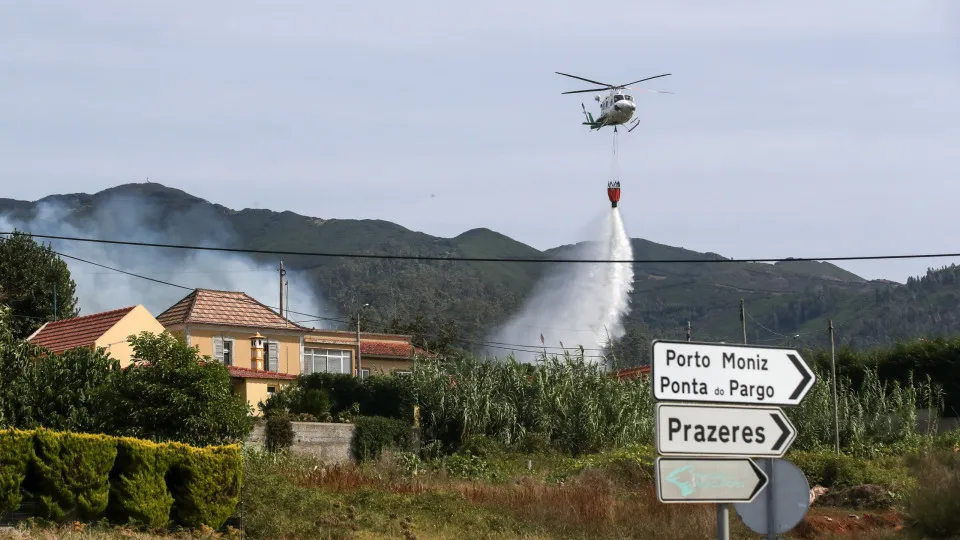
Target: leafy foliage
{"type": "Point", "coordinates": [72, 474]}
{"type": "Point", "coordinates": [279, 432]}
{"type": "Point", "coordinates": [16, 453]}
{"type": "Point", "coordinates": [329, 395]}
{"type": "Point", "coordinates": [32, 279]}
{"type": "Point", "coordinates": [574, 404]}
{"type": "Point", "coordinates": [205, 484]}
{"type": "Point", "coordinates": [56, 391]}
{"type": "Point", "coordinates": [138, 489]}
{"type": "Point", "coordinates": [172, 393]}
{"type": "Point", "coordinates": [374, 434]}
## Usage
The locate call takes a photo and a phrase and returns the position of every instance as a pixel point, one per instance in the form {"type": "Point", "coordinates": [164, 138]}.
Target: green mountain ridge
{"type": "Point", "coordinates": [783, 300]}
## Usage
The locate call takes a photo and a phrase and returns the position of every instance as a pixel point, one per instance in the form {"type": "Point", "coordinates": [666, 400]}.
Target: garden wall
{"type": "Point", "coordinates": [327, 441]}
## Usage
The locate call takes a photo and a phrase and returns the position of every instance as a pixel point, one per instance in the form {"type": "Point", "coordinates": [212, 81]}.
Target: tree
{"type": "Point", "coordinates": [172, 393]}
{"type": "Point", "coordinates": [33, 279]}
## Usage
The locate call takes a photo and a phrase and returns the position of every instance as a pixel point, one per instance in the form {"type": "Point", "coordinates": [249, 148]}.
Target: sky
{"type": "Point", "coordinates": [795, 129]}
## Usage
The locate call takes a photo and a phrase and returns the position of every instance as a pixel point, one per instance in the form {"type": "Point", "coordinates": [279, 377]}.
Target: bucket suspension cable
{"type": "Point", "coordinates": [615, 161]}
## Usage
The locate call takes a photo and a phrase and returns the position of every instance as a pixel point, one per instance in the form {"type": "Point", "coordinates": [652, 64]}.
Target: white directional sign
{"type": "Point", "coordinates": [730, 430]}
{"type": "Point", "coordinates": [708, 480]}
{"type": "Point", "coordinates": [721, 373]}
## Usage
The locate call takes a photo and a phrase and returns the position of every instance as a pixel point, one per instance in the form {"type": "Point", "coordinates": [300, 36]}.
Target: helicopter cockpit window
{"type": "Point", "coordinates": [629, 98]}
{"type": "Point", "coordinates": [618, 97]}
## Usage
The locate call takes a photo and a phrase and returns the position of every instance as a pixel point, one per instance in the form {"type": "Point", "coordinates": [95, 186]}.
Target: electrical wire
{"type": "Point", "coordinates": [493, 259]}
{"type": "Point", "coordinates": [495, 344]}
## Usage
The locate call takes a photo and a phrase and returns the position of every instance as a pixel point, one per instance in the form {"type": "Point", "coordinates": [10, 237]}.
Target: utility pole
{"type": "Point", "coordinates": [833, 379]}
{"type": "Point", "coordinates": [282, 273]}
{"type": "Point", "coordinates": [359, 354]}
{"type": "Point", "coordinates": [54, 300]}
{"type": "Point", "coordinates": [743, 321]}
{"type": "Point", "coordinates": [286, 295]}
{"type": "Point", "coordinates": [689, 331]}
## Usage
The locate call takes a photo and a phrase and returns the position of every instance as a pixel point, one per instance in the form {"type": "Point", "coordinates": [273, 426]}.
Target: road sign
{"type": "Point", "coordinates": [708, 480]}
{"type": "Point", "coordinates": [722, 373]}
{"type": "Point", "coordinates": [788, 496]}
{"type": "Point", "coordinates": [725, 430]}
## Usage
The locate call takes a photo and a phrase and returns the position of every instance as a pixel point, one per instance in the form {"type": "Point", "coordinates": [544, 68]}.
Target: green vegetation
{"type": "Point", "coordinates": [35, 283]}
{"type": "Point", "coordinates": [172, 393]}
{"type": "Point", "coordinates": [86, 477]}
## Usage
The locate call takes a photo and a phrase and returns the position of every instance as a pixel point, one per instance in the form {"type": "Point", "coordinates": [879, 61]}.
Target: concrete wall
{"type": "Point", "coordinates": [329, 442]}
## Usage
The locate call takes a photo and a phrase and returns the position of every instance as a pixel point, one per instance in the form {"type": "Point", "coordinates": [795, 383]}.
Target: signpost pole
{"type": "Point", "coordinates": [771, 513]}
{"type": "Point", "coordinates": [723, 522]}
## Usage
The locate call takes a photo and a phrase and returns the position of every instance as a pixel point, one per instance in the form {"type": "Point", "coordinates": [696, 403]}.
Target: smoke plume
{"type": "Point", "coordinates": [576, 304]}
{"type": "Point", "coordinates": [139, 219]}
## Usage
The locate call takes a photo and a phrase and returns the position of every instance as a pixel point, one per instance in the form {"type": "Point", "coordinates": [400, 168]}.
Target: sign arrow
{"type": "Point", "coordinates": [726, 430]}
{"type": "Point", "coordinates": [708, 480]}
{"type": "Point", "coordinates": [734, 373]}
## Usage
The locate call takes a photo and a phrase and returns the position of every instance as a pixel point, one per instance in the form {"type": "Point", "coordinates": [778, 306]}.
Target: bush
{"type": "Point", "coordinates": [138, 491]}
{"type": "Point", "coordinates": [205, 484]}
{"type": "Point", "coordinates": [16, 452]}
{"type": "Point", "coordinates": [337, 394]}
{"type": "Point", "coordinates": [374, 434]}
{"type": "Point", "coordinates": [82, 476]}
{"type": "Point", "coordinates": [933, 505]}
{"type": "Point", "coordinates": [827, 469]}
{"type": "Point", "coordinates": [279, 432]}
{"type": "Point", "coordinates": [71, 474]}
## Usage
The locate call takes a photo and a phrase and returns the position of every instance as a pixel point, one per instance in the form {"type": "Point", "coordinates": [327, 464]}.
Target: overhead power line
{"type": "Point", "coordinates": [493, 344]}
{"type": "Point", "coordinates": [492, 259]}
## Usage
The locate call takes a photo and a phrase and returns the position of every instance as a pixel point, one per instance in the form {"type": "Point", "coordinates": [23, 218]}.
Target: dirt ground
{"type": "Point", "coordinates": [821, 522]}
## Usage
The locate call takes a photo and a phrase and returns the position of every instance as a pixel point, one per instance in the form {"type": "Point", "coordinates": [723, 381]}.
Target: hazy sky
{"type": "Point", "coordinates": [796, 128]}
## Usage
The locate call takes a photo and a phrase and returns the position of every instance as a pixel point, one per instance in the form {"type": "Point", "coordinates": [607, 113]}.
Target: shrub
{"type": "Point", "coordinates": [138, 490]}
{"type": "Point", "coordinates": [71, 474]}
{"type": "Point", "coordinates": [933, 505]}
{"type": "Point", "coordinates": [374, 434]}
{"type": "Point", "coordinates": [825, 468]}
{"type": "Point", "coordinates": [16, 451]}
{"type": "Point", "coordinates": [279, 432]}
{"type": "Point", "coordinates": [205, 484]}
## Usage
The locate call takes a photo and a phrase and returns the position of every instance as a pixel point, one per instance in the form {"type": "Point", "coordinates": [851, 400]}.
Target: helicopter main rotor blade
{"type": "Point", "coordinates": [647, 90]}
{"type": "Point", "coordinates": [587, 80]}
{"type": "Point", "coordinates": [584, 91]}
{"type": "Point", "coordinates": [641, 80]}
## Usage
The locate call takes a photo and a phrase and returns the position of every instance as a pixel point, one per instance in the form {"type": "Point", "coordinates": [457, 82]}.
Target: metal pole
{"type": "Point", "coordinates": [358, 342]}
{"type": "Point", "coordinates": [833, 378]}
{"type": "Point", "coordinates": [689, 331]}
{"type": "Point", "coordinates": [743, 321]}
{"type": "Point", "coordinates": [723, 522]}
{"type": "Point", "coordinates": [771, 517]}
{"type": "Point", "coordinates": [282, 273]}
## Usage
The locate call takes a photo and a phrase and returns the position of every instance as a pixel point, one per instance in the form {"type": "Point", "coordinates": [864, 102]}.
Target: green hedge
{"type": "Point", "coordinates": [89, 477]}
{"type": "Point", "coordinates": [374, 434]}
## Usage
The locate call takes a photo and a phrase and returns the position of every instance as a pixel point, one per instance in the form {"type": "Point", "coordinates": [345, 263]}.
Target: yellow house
{"type": "Point", "coordinates": [237, 330]}
{"type": "Point", "coordinates": [109, 329]}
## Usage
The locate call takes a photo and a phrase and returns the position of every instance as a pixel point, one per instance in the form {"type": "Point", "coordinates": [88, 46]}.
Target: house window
{"type": "Point", "coordinates": [271, 390]}
{"type": "Point", "coordinates": [401, 372]}
{"type": "Point", "coordinates": [364, 373]}
{"type": "Point", "coordinates": [326, 361]}
{"type": "Point", "coordinates": [228, 352]}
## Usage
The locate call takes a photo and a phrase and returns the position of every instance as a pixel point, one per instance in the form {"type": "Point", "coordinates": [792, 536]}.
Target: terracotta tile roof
{"type": "Point", "coordinates": [386, 348]}
{"type": "Point", "coordinates": [633, 372]}
{"type": "Point", "coordinates": [224, 308]}
{"type": "Point", "coordinates": [59, 336]}
{"type": "Point", "coordinates": [244, 373]}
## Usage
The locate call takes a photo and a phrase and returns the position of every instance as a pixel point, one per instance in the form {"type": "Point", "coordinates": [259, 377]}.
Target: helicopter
{"type": "Point", "coordinates": [617, 107]}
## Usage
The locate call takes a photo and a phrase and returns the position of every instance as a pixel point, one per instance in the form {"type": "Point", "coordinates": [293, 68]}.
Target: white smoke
{"type": "Point", "coordinates": [137, 218]}
{"type": "Point", "coordinates": [576, 304]}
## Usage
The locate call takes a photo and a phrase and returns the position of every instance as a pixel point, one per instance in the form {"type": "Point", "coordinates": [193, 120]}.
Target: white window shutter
{"type": "Point", "coordinates": [273, 356]}
{"type": "Point", "coordinates": [218, 348]}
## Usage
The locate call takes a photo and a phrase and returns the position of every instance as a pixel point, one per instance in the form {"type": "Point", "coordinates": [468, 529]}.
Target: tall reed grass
{"type": "Point", "coordinates": [567, 402]}
{"type": "Point", "coordinates": [577, 406]}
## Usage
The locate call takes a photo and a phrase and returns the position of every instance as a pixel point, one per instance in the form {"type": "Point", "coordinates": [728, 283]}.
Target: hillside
{"type": "Point", "coordinates": [782, 299]}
